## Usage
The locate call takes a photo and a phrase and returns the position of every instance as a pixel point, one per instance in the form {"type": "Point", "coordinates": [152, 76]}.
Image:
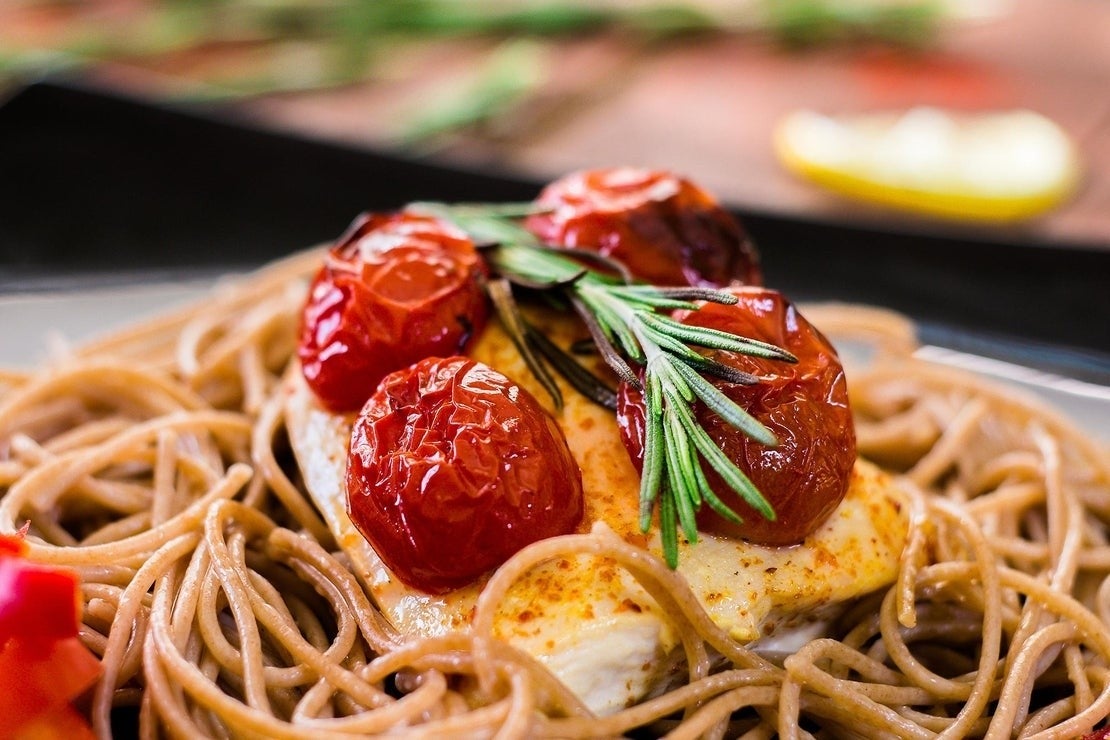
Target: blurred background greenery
{"type": "Point", "coordinates": [540, 87]}
{"type": "Point", "coordinates": [261, 47]}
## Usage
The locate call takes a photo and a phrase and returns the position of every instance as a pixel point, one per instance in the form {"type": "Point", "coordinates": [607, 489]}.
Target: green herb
{"type": "Point", "coordinates": [501, 295]}
{"type": "Point", "coordinates": [514, 70]}
{"type": "Point", "coordinates": [803, 23]}
{"type": "Point", "coordinates": [628, 328]}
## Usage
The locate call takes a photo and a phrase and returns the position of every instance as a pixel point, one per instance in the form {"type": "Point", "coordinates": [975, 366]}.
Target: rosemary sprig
{"type": "Point", "coordinates": [630, 332]}
{"type": "Point", "coordinates": [581, 379]}
{"type": "Point", "coordinates": [501, 296]}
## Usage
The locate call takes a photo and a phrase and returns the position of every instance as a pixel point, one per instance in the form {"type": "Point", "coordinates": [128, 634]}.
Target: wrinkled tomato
{"type": "Point", "coordinates": [453, 467]}
{"type": "Point", "coordinates": [43, 665]}
{"type": "Point", "coordinates": [395, 289]}
{"type": "Point", "coordinates": [665, 229]}
{"type": "Point", "coordinates": [804, 405]}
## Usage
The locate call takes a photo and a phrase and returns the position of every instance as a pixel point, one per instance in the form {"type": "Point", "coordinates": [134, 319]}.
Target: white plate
{"type": "Point", "coordinates": [34, 324]}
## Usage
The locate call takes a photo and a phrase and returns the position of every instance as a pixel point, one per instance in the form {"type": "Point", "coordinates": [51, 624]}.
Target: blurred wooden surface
{"type": "Point", "coordinates": [706, 105]}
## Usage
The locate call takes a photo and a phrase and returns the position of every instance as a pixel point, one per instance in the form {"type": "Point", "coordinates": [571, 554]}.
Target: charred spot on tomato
{"type": "Point", "coordinates": [453, 468]}
{"type": "Point", "coordinates": [805, 405]}
{"type": "Point", "coordinates": [395, 289]}
{"type": "Point", "coordinates": [664, 228]}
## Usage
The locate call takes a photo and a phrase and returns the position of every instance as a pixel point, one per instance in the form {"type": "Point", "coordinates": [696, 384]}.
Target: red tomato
{"type": "Point", "coordinates": [665, 229]}
{"type": "Point", "coordinates": [36, 602]}
{"type": "Point", "coordinates": [64, 723]}
{"type": "Point", "coordinates": [37, 679]}
{"type": "Point", "coordinates": [395, 289]}
{"type": "Point", "coordinates": [804, 405]}
{"type": "Point", "coordinates": [43, 665]}
{"type": "Point", "coordinates": [12, 544]}
{"type": "Point", "coordinates": [453, 468]}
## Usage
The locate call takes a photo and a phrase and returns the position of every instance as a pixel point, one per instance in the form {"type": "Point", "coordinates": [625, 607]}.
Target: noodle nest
{"type": "Point", "coordinates": [155, 464]}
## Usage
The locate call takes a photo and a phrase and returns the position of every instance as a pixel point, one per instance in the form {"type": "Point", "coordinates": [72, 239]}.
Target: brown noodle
{"type": "Point", "coordinates": [155, 464]}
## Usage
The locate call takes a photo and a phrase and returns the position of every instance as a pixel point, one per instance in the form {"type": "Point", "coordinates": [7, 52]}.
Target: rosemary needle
{"type": "Point", "coordinates": [629, 331]}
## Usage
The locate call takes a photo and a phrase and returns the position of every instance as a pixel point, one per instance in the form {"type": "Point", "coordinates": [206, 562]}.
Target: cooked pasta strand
{"type": "Point", "coordinates": [151, 462]}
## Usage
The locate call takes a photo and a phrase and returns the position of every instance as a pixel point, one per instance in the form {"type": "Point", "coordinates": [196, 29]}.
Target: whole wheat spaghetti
{"type": "Point", "coordinates": [154, 463]}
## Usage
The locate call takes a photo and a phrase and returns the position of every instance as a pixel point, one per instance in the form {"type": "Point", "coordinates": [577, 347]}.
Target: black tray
{"type": "Point", "coordinates": [96, 187]}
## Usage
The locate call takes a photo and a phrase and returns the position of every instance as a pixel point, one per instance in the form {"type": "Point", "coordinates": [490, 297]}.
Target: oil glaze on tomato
{"type": "Point", "coordinates": [664, 228]}
{"type": "Point", "coordinates": [395, 289]}
{"type": "Point", "coordinates": [804, 405]}
{"type": "Point", "coordinates": [452, 468]}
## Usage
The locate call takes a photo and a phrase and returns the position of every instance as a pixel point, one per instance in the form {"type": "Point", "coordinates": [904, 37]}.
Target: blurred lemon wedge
{"type": "Point", "coordinates": [998, 166]}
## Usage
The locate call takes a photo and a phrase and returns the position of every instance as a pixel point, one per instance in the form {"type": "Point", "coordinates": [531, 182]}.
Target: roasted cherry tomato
{"type": "Point", "coordinates": [665, 229]}
{"type": "Point", "coordinates": [453, 468]}
{"type": "Point", "coordinates": [395, 289]}
{"type": "Point", "coordinates": [804, 405]}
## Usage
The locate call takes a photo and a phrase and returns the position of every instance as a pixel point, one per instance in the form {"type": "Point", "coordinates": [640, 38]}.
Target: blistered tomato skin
{"type": "Point", "coordinates": [453, 468]}
{"type": "Point", "coordinates": [804, 405]}
{"type": "Point", "coordinates": [665, 229]}
{"type": "Point", "coordinates": [395, 289]}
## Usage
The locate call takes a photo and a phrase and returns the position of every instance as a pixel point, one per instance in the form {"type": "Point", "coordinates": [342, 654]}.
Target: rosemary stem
{"type": "Point", "coordinates": [631, 326]}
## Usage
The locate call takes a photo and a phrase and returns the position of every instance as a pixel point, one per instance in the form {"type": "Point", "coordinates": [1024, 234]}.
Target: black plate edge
{"type": "Point", "coordinates": [1054, 299]}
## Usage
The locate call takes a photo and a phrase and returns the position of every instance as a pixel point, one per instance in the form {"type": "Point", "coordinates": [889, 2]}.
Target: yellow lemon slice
{"type": "Point", "coordinates": [1000, 166]}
